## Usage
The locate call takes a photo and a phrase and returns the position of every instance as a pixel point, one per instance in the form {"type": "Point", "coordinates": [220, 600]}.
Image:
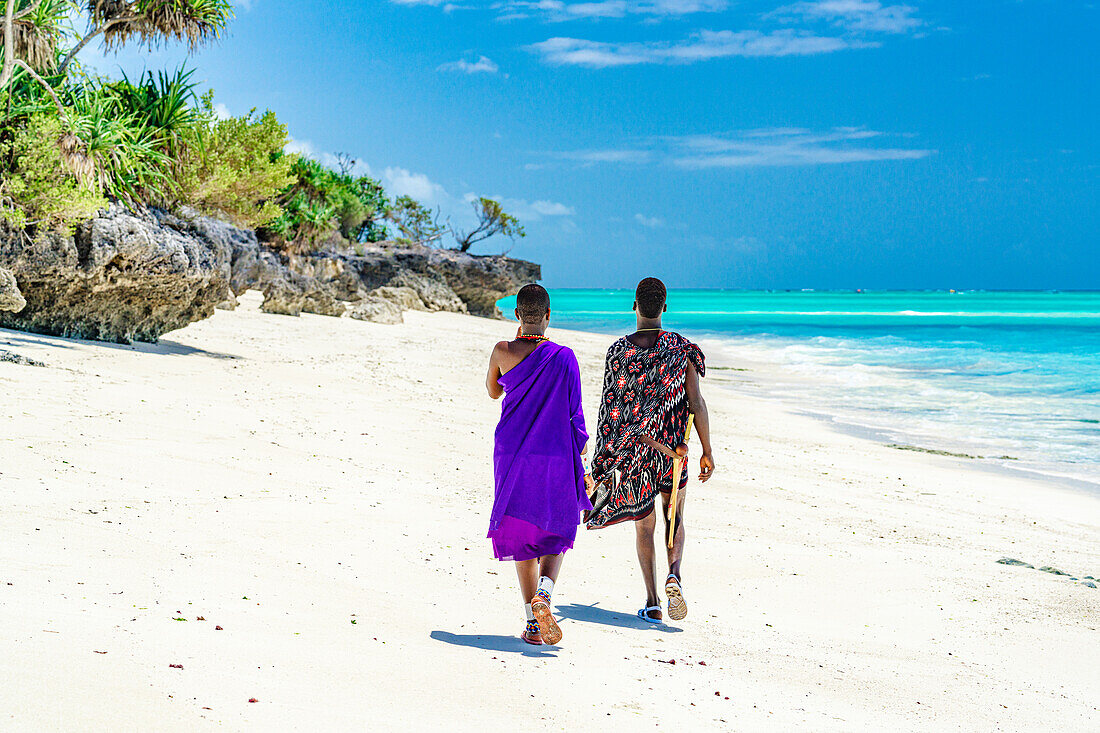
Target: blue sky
{"type": "Point", "coordinates": [752, 144]}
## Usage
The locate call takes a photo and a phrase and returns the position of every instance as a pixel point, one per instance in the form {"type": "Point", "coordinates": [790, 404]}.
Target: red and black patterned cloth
{"type": "Point", "coordinates": [643, 395]}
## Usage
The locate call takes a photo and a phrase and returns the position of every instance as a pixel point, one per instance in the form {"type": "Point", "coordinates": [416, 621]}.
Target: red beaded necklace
{"type": "Point", "coordinates": [532, 337]}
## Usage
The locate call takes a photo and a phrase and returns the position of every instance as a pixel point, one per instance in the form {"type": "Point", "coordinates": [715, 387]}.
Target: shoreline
{"type": "Point", "coordinates": [740, 378]}
{"type": "Point", "coordinates": [320, 489]}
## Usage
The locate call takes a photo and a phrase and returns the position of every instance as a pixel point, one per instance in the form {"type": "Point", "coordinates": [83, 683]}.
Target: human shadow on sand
{"type": "Point", "coordinates": [494, 643]}
{"type": "Point", "coordinates": [595, 615]}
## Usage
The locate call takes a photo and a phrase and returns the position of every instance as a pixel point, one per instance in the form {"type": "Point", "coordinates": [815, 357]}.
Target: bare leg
{"type": "Point", "coordinates": [644, 540]}
{"type": "Point", "coordinates": [550, 565]}
{"type": "Point", "coordinates": [676, 552]}
{"type": "Point", "coordinates": [528, 571]}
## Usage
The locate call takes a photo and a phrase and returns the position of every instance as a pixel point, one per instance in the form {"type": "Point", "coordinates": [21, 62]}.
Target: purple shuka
{"type": "Point", "coordinates": [536, 461]}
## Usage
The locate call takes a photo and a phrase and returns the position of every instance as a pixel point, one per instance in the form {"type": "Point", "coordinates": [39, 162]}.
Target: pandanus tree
{"type": "Point", "coordinates": [33, 30]}
{"type": "Point", "coordinates": [151, 22]}
{"type": "Point", "coordinates": [124, 133]}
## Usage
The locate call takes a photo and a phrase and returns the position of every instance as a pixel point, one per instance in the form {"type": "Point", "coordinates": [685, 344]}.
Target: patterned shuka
{"type": "Point", "coordinates": [643, 395]}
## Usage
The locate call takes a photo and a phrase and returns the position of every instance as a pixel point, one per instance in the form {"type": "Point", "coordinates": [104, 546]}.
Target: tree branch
{"type": "Point", "coordinates": [9, 44]}
{"type": "Point", "coordinates": [45, 85]}
{"type": "Point", "coordinates": [84, 41]}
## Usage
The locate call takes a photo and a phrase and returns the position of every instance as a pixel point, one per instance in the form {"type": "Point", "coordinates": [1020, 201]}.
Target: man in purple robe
{"type": "Point", "coordinates": [539, 472]}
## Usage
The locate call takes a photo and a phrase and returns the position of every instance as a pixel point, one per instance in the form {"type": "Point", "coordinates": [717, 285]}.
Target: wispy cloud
{"type": "Point", "coordinates": [403, 182]}
{"type": "Point", "coordinates": [559, 11]}
{"type": "Point", "coordinates": [651, 222]}
{"type": "Point", "coordinates": [770, 147]}
{"type": "Point", "coordinates": [483, 65]}
{"type": "Point", "coordinates": [306, 148]}
{"type": "Point", "coordinates": [788, 147]}
{"type": "Point", "coordinates": [535, 210]}
{"type": "Point", "coordinates": [701, 46]}
{"type": "Point", "coordinates": [605, 156]}
{"type": "Point", "coordinates": [854, 15]}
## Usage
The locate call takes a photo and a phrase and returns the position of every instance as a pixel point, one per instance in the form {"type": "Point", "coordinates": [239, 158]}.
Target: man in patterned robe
{"type": "Point", "coordinates": [651, 384]}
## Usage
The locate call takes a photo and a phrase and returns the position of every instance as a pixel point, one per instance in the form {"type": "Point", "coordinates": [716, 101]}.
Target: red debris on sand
{"type": "Point", "coordinates": [217, 628]}
{"type": "Point", "coordinates": [252, 699]}
{"type": "Point", "coordinates": [97, 652]}
{"type": "Point", "coordinates": [176, 666]}
{"type": "Point", "coordinates": [703, 663]}
{"type": "Point", "coordinates": [717, 693]}
{"type": "Point", "coordinates": [200, 618]}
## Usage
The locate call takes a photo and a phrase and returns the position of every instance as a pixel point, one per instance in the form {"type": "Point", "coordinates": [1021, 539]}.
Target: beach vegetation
{"type": "Point", "coordinates": [491, 221]}
{"type": "Point", "coordinates": [321, 203]}
{"type": "Point", "coordinates": [236, 168]}
{"type": "Point", "coordinates": [72, 141]}
{"type": "Point", "coordinates": [37, 188]}
{"type": "Point", "coordinates": [415, 222]}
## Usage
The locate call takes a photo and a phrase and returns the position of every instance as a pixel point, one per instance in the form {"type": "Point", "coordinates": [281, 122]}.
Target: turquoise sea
{"type": "Point", "coordinates": [985, 373]}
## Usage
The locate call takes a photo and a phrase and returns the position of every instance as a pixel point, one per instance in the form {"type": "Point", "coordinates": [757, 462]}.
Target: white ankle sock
{"type": "Point", "coordinates": [546, 585]}
{"type": "Point", "coordinates": [530, 613]}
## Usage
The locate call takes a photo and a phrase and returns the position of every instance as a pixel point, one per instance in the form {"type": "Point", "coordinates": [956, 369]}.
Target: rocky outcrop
{"type": "Point", "coordinates": [125, 275]}
{"type": "Point", "coordinates": [442, 279]}
{"type": "Point", "coordinates": [120, 276]}
{"type": "Point", "coordinates": [480, 281]}
{"type": "Point", "coordinates": [10, 297]}
{"type": "Point", "coordinates": [375, 308]}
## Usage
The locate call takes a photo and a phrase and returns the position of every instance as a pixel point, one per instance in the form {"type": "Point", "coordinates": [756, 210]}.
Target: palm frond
{"type": "Point", "coordinates": [193, 22]}
{"type": "Point", "coordinates": [36, 44]}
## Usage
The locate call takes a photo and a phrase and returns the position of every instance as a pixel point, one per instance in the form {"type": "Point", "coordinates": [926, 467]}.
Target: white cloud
{"type": "Point", "coordinates": [222, 112]}
{"type": "Point", "coordinates": [854, 15]}
{"type": "Point", "coordinates": [329, 160]}
{"type": "Point", "coordinates": [591, 157]}
{"type": "Point", "coordinates": [779, 146]}
{"type": "Point", "coordinates": [401, 182]}
{"type": "Point", "coordinates": [483, 65]}
{"type": "Point", "coordinates": [531, 211]}
{"type": "Point", "coordinates": [458, 209]}
{"type": "Point", "coordinates": [649, 221]}
{"type": "Point", "coordinates": [558, 11]}
{"type": "Point", "coordinates": [787, 147]}
{"type": "Point", "coordinates": [701, 46]}
{"type": "Point", "coordinates": [302, 147]}
{"type": "Point", "coordinates": [551, 208]}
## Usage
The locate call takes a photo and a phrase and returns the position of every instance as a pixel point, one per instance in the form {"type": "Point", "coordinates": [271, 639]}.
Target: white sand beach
{"type": "Point", "coordinates": [293, 510]}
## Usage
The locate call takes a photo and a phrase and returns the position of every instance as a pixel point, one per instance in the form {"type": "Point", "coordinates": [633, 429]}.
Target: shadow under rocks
{"type": "Point", "coordinates": [493, 643]}
{"type": "Point", "coordinates": [595, 615]}
{"type": "Point", "coordinates": [165, 347]}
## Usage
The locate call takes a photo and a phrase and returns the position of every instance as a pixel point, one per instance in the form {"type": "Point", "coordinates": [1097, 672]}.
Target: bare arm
{"type": "Point", "coordinates": [698, 406]}
{"type": "Point", "coordinates": [492, 385]}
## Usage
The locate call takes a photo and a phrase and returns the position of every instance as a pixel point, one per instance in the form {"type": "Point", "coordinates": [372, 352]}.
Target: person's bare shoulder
{"type": "Point", "coordinates": [500, 349]}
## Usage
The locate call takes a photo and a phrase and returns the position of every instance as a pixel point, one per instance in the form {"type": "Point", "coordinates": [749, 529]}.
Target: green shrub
{"type": "Point", "coordinates": [37, 186]}
{"type": "Point", "coordinates": [236, 167]}
{"type": "Point", "coordinates": [321, 202]}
